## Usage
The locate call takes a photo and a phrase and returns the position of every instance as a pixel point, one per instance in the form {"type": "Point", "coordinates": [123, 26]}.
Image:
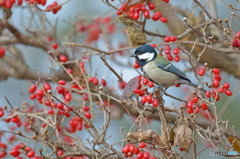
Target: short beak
{"type": "Point", "coordinates": [132, 55]}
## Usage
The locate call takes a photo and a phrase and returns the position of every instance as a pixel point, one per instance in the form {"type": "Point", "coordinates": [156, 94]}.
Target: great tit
{"type": "Point", "coordinates": [158, 69]}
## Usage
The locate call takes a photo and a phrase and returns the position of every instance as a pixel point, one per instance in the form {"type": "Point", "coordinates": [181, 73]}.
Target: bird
{"type": "Point", "coordinates": [158, 69]}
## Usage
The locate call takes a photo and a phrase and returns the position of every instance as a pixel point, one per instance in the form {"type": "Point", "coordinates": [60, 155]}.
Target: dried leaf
{"type": "Point", "coordinates": [182, 137]}
{"type": "Point", "coordinates": [129, 88]}
{"type": "Point", "coordinates": [235, 142]}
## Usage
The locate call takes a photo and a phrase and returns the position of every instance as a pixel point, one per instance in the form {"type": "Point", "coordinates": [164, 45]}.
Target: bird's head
{"type": "Point", "coordinates": [144, 54]}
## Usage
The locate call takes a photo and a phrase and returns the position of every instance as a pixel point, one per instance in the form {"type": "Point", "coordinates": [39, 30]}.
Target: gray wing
{"type": "Point", "coordinates": [171, 68]}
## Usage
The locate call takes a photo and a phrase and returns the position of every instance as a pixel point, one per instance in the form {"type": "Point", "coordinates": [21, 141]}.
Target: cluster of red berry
{"type": "Point", "coordinates": [193, 105]}
{"type": "Point", "coordinates": [22, 148]}
{"type": "Point", "coordinates": [54, 7]}
{"type": "Point", "coordinates": [130, 150]}
{"type": "Point", "coordinates": [142, 91]}
{"type": "Point", "coordinates": [3, 148]}
{"type": "Point", "coordinates": [236, 40]}
{"type": "Point", "coordinates": [216, 84]}
{"type": "Point", "coordinates": [9, 3]}
{"type": "Point", "coordinates": [167, 49]}
{"type": "Point", "coordinates": [140, 9]}
{"type": "Point", "coordinates": [93, 29]}
{"type": "Point", "coordinates": [76, 123]}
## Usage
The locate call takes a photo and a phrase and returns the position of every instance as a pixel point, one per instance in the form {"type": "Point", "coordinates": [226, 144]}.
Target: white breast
{"type": "Point", "coordinates": [159, 76]}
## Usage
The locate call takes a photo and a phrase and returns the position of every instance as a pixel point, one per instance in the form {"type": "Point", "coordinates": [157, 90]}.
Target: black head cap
{"type": "Point", "coordinates": [144, 48]}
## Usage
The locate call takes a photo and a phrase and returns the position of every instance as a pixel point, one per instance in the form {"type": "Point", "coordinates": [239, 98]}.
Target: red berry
{"type": "Point", "coordinates": [195, 100]}
{"type": "Point", "coordinates": [149, 99]}
{"type": "Point", "coordinates": [50, 111]}
{"type": "Point", "coordinates": [144, 99]}
{"type": "Point", "coordinates": [177, 85]}
{"type": "Point", "coordinates": [140, 155]}
{"type": "Point", "coordinates": [196, 109]}
{"type": "Point", "coordinates": [201, 72]}
{"type": "Point", "coordinates": [216, 83]}
{"type": "Point", "coordinates": [122, 84]}
{"type": "Point", "coordinates": [136, 65]}
{"type": "Point", "coordinates": [14, 152]}
{"type": "Point", "coordinates": [85, 97]}
{"type": "Point", "coordinates": [33, 96]}
{"type": "Point", "coordinates": [46, 86]}
{"type": "Point", "coordinates": [177, 58]}
{"type": "Point", "coordinates": [60, 152]}
{"type": "Point", "coordinates": [2, 145]}
{"type": "Point", "coordinates": [181, 149]}
{"type": "Point", "coordinates": [190, 110]}
{"type": "Point", "coordinates": [137, 91]}
{"type": "Point", "coordinates": [146, 13]}
{"type": "Point", "coordinates": [234, 43]}
{"type": "Point", "coordinates": [104, 83]}
{"type": "Point", "coordinates": [156, 16]}
{"type": "Point", "coordinates": [173, 38]}
{"type": "Point", "coordinates": [63, 58]}
{"type": "Point", "coordinates": [82, 65]}
{"type": "Point", "coordinates": [204, 106]}
{"type": "Point", "coordinates": [33, 88]}
{"type": "Point", "coordinates": [68, 97]}
{"type": "Point", "coordinates": [226, 85]}
{"type": "Point", "coordinates": [176, 51]}
{"type": "Point", "coordinates": [220, 90]}
{"type": "Point", "coordinates": [169, 57]}
{"type": "Point", "coordinates": [153, 45]}
{"type": "Point", "coordinates": [190, 104]}
{"type": "Point", "coordinates": [20, 2]}
{"type": "Point", "coordinates": [1, 113]}
{"type": "Point", "coordinates": [136, 151]}
{"type": "Point", "coordinates": [95, 81]}
{"type": "Point", "coordinates": [91, 79]}
{"type": "Point", "coordinates": [151, 6]}
{"type": "Point", "coordinates": [61, 82]}
{"type": "Point", "coordinates": [218, 77]}
{"type": "Point", "coordinates": [145, 81]}
{"type": "Point", "coordinates": [132, 148]}
{"type": "Point", "coordinates": [69, 70]}
{"type": "Point", "coordinates": [142, 145]}
{"type": "Point", "coordinates": [167, 39]}
{"type": "Point", "coordinates": [155, 102]}
{"type": "Point", "coordinates": [60, 106]}
{"type": "Point", "coordinates": [146, 155]}
{"type": "Point", "coordinates": [208, 94]}
{"type": "Point", "coordinates": [2, 52]}
{"type": "Point", "coordinates": [150, 84]}
{"type": "Point", "coordinates": [215, 71]}
{"type": "Point", "coordinates": [136, 15]}
{"type": "Point", "coordinates": [40, 93]}
{"type": "Point", "coordinates": [167, 51]}
{"type": "Point", "coordinates": [55, 45]}
{"type": "Point", "coordinates": [164, 20]}
{"type": "Point", "coordinates": [30, 154]}
{"type": "Point", "coordinates": [228, 92]}
{"type": "Point", "coordinates": [86, 108]}
{"type": "Point", "coordinates": [87, 115]}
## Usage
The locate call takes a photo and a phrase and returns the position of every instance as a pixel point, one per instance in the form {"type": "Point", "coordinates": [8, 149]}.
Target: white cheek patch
{"type": "Point", "coordinates": [146, 56]}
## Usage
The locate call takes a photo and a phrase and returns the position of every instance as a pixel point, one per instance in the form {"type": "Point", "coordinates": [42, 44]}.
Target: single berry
{"type": "Point", "coordinates": [142, 145]}
{"type": "Point", "coordinates": [201, 72]}
{"type": "Point", "coordinates": [63, 58]}
{"type": "Point", "coordinates": [55, 45]}
{"type": "Point", "coordinates": [204, 106]}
